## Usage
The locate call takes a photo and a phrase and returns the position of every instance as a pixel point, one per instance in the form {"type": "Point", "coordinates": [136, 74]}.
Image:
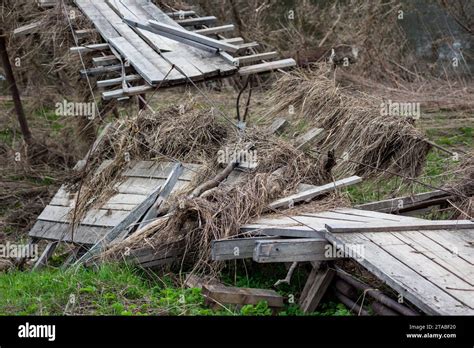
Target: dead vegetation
{"type": "Point", "coordinates": [367, 141]}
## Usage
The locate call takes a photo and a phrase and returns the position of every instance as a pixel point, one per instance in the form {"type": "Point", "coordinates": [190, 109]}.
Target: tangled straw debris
{"type": "Point", "coordinates": [357, 130]}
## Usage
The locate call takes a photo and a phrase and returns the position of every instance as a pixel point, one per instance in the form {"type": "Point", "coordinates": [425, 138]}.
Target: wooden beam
{"type": "Point", "coordinates": [174, 37]}
{"type": "Point", "coordinates": [165, 191]}
{"type": "Point", "coordinates": [90, 48]}
{"type": "Point", "coordinates": [105, 60]}
{"type": "Point", "coordinates": [267, 67]}
{"type": "Point", "coordinates": [315, 288]}
{"type": "Point", "coordinates": [178, 33]}
{"type": "Point", "coordinates": [120, 93]}
{"type": "Point", "coordinates": [403, 226]}
{"type": "Point", "coordinates": [45, 256]}
{"type": "Point", "coordinates": [222, 295]}
{"type": "Point", "coordinates": [278, 126]}
{"type": "Point", "coordinates": [216, 30]}
{"type": "Point", "coordinates": [406, 203]}
{"type": "Point", "coordinates": [234, 40]}
{"type": "Point", "coordinates": [291, 250]}
{"type": "Point", "coordinates": [28, 29]}
{"type": "Point", "coordinates": [117, 81]}
{"type": "Point", "coordinates": [248, 45]}
{"type": "Point", "coordinates": [256, 57]}
{"type": "Point", "coordinates": [180, 14]}
{"type": "Point", "coordinates": [313, 193]}
{"type": "Point", "coordinates": [84, 33]}
{"type": "Point", "coordinates": [282, 231]}
{"type": "Point", "coordinates": [197, 21]}
{"type": "Point", "coordinates": [235, 249]}
{"type": "Point", "coordinates": [307, 139]}
{"type": "Point", "coordinates": [101, 70]}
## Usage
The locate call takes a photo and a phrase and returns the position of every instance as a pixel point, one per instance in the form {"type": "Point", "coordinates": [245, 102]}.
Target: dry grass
{"type": "Point", "coordinates": [463, 186]}
{"type": "Point", "coordinates": [219, 212]}
{"type": "Point", "coordinates": [188, 135]}
{"type": "Point", "coordinates": [355, 128]}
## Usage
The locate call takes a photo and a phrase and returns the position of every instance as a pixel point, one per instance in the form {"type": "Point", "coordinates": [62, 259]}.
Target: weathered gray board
{"type": "Point", "coordinates": [315, 192]}
{"type": "Point", "coordinates": [137, 183]}
{"type": "Point", "coordinates": [150, 54]}
{"type": "Point", "coordinates": [434, 270]}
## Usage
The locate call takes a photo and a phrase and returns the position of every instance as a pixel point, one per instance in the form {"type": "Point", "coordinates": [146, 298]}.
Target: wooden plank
{"type": "Point", "coordinates": [245, 46]}
{"type": "Point", "coordinates": [457, 242]}
{"type": "Point", "coordinates": [278, 125]}
{"type": "Point", "coordinates": [307, 139]}
{"type": "Point", "coordinates": [165, 192]}
{"type": "Point", "coordinates": [90, 48]}
{"type": "Point", "coordinates": [84, 33]}
{"type": "Point", "coordinates": [241, 296]}
{"type": "Point", "coordinates": [138, 186]}
{"type": "Point", "coordinates": [161, 170]}
{"type": "Point", "coordinates": [141, 47]}
{"type": "Point", "coordinates": [291, 250]}
{"type": "Point", "coordinates": [117, 81]}
{"type": "Point", "coordinates": [207, 20]}
{"type": "Point", "coordinates": [234, 249]}
{"type": "Point", "coordinates": [317, 287]}
{"type": "Point", "coordinates": [402, 203]}
{"type": "Point", "coordinates": [105, 60]}
{"type": "Point", "coordinates": [425, 225]}
{"type": "Point", "coordinates": [177, 33]}
{"type": "Point", "coordinates": [128, 9]}
{"type": "Point", "coordinates": [267, 67]}
{"type": "Point", "coordinates": [120, 93]}
{"type": "Point", "coordinates": [313, 223]}
{"type": "Point", "coordinates": [449, 260]}
{"type": "Point", "coordinates": [142, 65]}
{"type": "Point", "coordinates": [100, 21]}
{"type": "Point", "coordinates": [28, 28]}
{"type": "Point", "coordinates": [194, 65]}
{"type": "Point", "coordinates": [311, 194]}
{"type": "Point", "coordinates": [417, 290]}
{"type": "Point", "coordinates": [147, 254]}
{"type": "Point", "coordinates": [234, 40]}
{"type": "Point", "coordinates": [194, 55]}
{"type": "Point", "coordinates": [101, 70]}
{"type": "Point", "coordinates": [282, 231]}
{"type": "Point", "coordinates": [115, 232]}
{"type": "Point", "coordinates": [334, 217]}
{"type": "Point", "coordinates": [257, 57]}
{"type": "Point", "coordinates": [216, 30]}
{"type": "Point", "coordinates": [374, 214]}
{"type": "Point", "coordinates": [86, 235]}
{"type": "Point", "coordinates": [94, 217]}
{"type": "Point", "coordinates": [180, 14]}
{"type": "Point", "coordinates": [66, 199]}
{"type": "Point", "coordinates": [45, 256]}
{"type": "Point", "coordinates": [425, 267]}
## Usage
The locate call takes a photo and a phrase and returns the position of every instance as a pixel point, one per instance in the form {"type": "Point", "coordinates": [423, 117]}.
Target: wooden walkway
{"type": "Point", "coordinates": [135, 186]}
{"type": "Point", "coordinates": [431, 268]}
{"type": "Point", "coordinates": [183, 52]}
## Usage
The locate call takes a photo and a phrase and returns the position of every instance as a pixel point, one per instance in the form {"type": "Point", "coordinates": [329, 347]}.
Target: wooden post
{"type": "Point", "coordinates": [14, 90]}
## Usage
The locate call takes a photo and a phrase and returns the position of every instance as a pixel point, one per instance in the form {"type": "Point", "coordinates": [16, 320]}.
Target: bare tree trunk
{"type": "Point", "coordinates": [14, 90]}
